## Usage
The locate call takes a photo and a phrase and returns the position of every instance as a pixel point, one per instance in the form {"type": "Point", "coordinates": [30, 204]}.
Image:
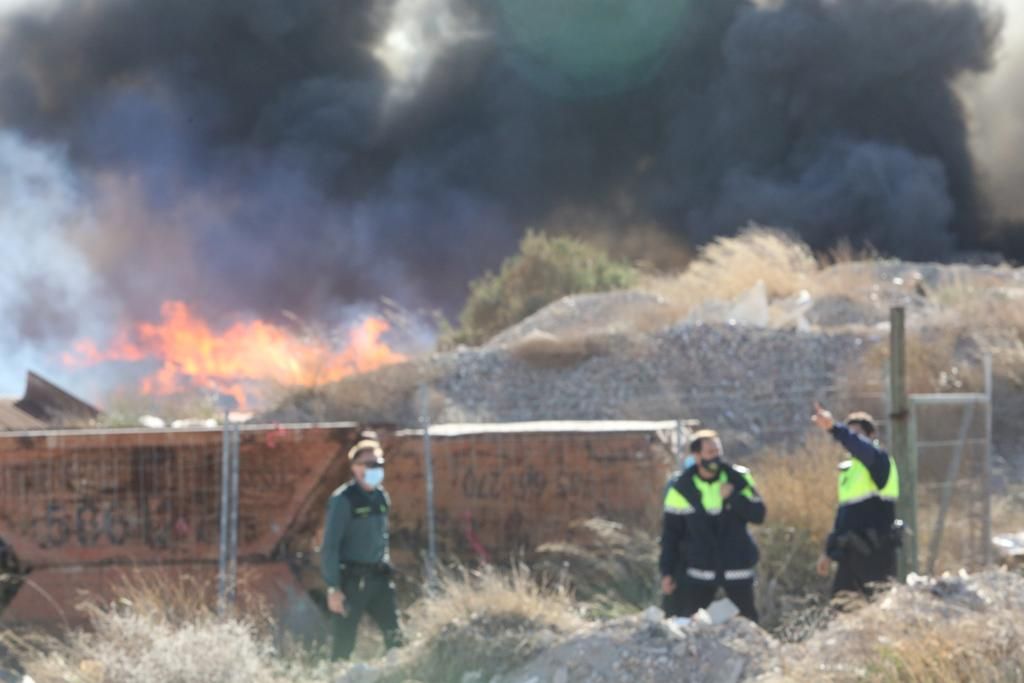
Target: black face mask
{"type": "Point", "coordinates": [713, 465]}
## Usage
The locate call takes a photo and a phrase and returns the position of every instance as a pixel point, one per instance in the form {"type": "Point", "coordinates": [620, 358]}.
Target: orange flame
{"type": "Point", "coordinates": [193, 355]}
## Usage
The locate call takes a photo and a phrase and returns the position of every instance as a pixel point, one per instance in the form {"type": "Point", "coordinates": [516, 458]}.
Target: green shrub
{"type": "Point", "coordinates": [544, 270]}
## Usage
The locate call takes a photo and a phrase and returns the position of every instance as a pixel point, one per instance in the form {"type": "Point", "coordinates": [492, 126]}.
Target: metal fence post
{"type": "Point", "coordinates": [225, 486]}
{"type": "Point", "coordinates": [428, 478]}
{"type": "Point", "coordinates": [679, 444]}
{"type": "Point", "coordinates": [987, 474]}
{"type": "Point", "coordinates": [901, 447]}
{"type": "Point", "coordinates": [236, 447]}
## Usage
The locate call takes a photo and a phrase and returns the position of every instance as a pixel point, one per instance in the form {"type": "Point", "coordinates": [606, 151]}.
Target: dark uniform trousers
{"type": "Point", "coordinates": [699, 594]}
{"type": "Point", "coordinates": [857, 571]}
{"type": "Point", "coordinates": [366, 592]}
{"type": "Point", "coordinates": [674, 604]}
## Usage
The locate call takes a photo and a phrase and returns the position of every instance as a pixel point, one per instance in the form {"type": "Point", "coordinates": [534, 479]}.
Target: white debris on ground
{"type": "Point", "coordinates": [1009, 548]}
{"type": "Point", "coordinates": [603, 313]}
{"type": "Point", "coordinates": [647, 648]}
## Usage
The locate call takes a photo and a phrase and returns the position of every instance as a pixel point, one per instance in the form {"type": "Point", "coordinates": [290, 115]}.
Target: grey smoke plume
{"type": "Point", "coordinates": [996, 113]}
{"type": "Point", "coordinates": [256, 155]}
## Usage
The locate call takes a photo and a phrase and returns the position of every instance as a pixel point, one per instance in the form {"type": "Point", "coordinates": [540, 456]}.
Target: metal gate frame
{"type": "Point", "coordinates": [971, 402]}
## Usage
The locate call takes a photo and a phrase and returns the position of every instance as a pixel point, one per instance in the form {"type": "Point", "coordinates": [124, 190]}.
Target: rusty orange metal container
{"type": "Point", "coordinates": [78, 507]}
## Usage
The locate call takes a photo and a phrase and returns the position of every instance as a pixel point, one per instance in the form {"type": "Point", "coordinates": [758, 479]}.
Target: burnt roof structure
{"type": "Point", "coordinates": [45, 406]}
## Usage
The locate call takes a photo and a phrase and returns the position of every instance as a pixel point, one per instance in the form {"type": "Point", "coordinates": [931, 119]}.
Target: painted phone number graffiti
{"type": "Point", "coordinates": [495, 485]}
{"type": "Point", "coordinates": [525, 484]}
{"type": "Point", "coordinates": [90, 523]}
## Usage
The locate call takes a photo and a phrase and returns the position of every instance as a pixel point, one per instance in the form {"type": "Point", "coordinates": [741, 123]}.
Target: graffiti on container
{"type": "Point", "coordinates": [524, 484]}
{"type": "Point", "coordinates": [160, 497]}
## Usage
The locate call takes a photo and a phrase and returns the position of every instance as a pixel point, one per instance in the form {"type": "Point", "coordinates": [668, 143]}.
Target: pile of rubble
{"type": "Point", "coordinates": [981, 611]}
{"type": "Point", "coordinates": [712, 648]}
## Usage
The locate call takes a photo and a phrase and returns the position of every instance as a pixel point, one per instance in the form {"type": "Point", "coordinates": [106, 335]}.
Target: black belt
{"type": "Point", "coordinates": [870, 541]}
{"type": "Point", "coordinates": [365, 568]}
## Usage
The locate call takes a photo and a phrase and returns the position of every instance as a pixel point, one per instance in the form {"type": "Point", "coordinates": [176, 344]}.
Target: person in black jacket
{"type": "Point", "coordinates": [707, 509]}
{"type": "Point", "coordinates": [866, 535]}
{"type": "Point", "coordinates": [673, 560]}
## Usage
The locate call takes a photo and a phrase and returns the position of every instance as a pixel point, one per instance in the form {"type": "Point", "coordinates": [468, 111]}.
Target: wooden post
{"type": "Point", "coordinates": [900, 440]}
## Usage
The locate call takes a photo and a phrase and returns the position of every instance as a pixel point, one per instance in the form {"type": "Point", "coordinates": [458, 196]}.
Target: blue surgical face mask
{"type": "Point", "coordinates": [374, 476]}
{"type": "Point", "coordinates": [689, 462]}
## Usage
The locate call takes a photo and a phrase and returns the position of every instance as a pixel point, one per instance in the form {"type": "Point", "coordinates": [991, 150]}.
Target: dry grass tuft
{"type": "Point", "coordinates": [799, 489]}
{"type": "Point", "coordinates": [132, 648]}
{"type": "Point", "coordinates": [610, 566]}
{"type": "Point", "coordinates": [799, 484]}
{"type": "Point", "coordinates": [163, 631]}
{"type": "Point", "coordinates": [730, 266]}
{"type": "Point", "coordinates": [486, 621]}
{"type": "Point", "coordinates": [465, 594]}
{"type": "Point", "coordinates": [951, 632]}
{"type": "Point", "coordinates": [844, 251]}
{"type": "Point", "coordinates": [942, 653]}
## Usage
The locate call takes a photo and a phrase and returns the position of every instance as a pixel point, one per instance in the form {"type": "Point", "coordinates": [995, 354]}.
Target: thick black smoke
{"type": "Point", "coordinates": [270, 154]}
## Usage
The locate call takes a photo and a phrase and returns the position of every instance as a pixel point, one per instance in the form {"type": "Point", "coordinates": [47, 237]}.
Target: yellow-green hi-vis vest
{"type": "Point", "coordinates": [710, 494]}
{"type": "Point", "coordinates": [856, 484]}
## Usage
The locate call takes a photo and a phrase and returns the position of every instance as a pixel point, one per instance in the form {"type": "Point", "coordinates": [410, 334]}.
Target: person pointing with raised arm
{"type": "Point", "coordinates": [866, 534]}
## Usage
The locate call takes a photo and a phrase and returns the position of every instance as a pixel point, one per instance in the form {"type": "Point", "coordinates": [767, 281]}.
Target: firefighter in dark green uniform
{"type": "Point", "coordinates": [866, 535]}
{"type": "Point", "coordinates": [354, 558]}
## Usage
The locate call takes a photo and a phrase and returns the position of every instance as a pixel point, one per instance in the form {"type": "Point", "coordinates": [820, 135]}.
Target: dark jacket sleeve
{"type": "Point", "coordinates": [339, 512]}
{"type": "Point", "coordinates": [865, 450]}
{"type": "Point", "coordinates": [673, 533]}
{"type": "Point", "coordinates": [832, 548]}
{"type": "Point", "coordinates": [745, 502]}
{"type": "Point", "coordinates": [751, 510]}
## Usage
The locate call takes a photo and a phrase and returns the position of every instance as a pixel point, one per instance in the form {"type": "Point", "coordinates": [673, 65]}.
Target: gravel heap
{"type": "Point", "coordinates": [754, 384]}
{"type": "Point", "coordinates": [586, 357]}
{"type": "Point", "coordinates": [648, 649]}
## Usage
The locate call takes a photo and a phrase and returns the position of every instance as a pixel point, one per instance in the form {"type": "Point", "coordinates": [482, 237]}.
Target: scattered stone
{"type": "Point", "coordinates": [721, 611]}
{"type": "Point", "coordinates": [637, 650]}
{"type": "Point", "coordinates": [653, 615]}
{"type": "Point", "coordinates": [361, 672]}
{"type": "Point", "coordinates": [1010, 548]}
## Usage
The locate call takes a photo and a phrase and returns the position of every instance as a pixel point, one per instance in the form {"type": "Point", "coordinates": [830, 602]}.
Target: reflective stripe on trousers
{"type": "Point", "coordinates": [730, 574]}
{"type": "Point", "coordinates": [700, 574]}
{"type": "Point", "coordinates": [739, 574]}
